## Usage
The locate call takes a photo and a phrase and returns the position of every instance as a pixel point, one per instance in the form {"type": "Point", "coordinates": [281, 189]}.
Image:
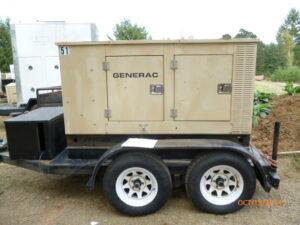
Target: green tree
{"type": "Point", "coordinates": [128, 31]}
{"type": "Point", "coordinates": [226, 36]}
{"type": "Point", "coordinates": [292, 24]}
{"type": "Point", "coordinates": [270, 57]}
{"type": "Point", "coordinates": [5, 46]}
{"type": "Point", "coordinates": [274, 58]}
{"type": "Point", "coordinates": [288, 37]}
{"type": "Point", "coordinates": [261, 58]}
{"type": "Point", "coordinates": [285, 40]}
{"type": "Point", "coordinates": [245, 34]}
{"type": "Point", "coordinates": [297, 55]}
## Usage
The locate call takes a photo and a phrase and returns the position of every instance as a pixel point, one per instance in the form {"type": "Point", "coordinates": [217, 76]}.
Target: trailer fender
{"type": "Point", "coordinates": [263, 168]}
{"type": "Point", "coordinates": [203, 145]}
{"type": "Point", "coordinates": [106, 155]}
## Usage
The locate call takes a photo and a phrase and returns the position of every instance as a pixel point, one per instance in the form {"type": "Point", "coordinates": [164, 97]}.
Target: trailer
{"type": "Point", "coordinates": [151, 115]}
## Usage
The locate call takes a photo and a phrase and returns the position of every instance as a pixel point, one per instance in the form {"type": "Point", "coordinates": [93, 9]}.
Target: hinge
{"type": "Point", "coordinates": [174, 64]}
{"type": "Point", "coordinates": [105, 65]}
{"type": "Point", "coordinates": [107, 113]}
{"type": "Point", "coordinates": [173, 113]}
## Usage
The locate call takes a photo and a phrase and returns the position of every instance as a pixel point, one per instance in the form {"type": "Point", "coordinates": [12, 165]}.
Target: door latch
{"type": "Point", "coordinates": [156, 89]}
{"type": "Point", "coordinates": [224, 88]}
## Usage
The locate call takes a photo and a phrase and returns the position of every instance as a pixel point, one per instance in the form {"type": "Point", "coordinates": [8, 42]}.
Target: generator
{"type": "Point", "coordinates": [152, 115]}
{"type": "Point", "coordinates": [158, 87]}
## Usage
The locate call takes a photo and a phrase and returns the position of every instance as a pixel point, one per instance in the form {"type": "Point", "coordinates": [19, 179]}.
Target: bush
{"type": "Point", "coordinates": [262, 97]}
{"type": "Point", "coordinates": [260, 111]}
{"type": "Point", "coordinates": [290, 89]}
{"type": "Point", "coordinates": [261, 108]}
{"type": "Point", "coordinates": [291, 74]}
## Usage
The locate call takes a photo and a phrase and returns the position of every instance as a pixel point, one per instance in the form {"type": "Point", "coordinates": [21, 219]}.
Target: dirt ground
{"type": "Point", "coordinates": [286, 109]}
{"type": "Point", "coordinates": [28, 197]}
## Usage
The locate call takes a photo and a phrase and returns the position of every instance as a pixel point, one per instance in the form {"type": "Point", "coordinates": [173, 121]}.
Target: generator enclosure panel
{"type": "Point", "coordinates": [158, 87]}
{"type": "Point", "coordinates": [36, 62]}
{"type": "Point", "coordinates": [38, 134]}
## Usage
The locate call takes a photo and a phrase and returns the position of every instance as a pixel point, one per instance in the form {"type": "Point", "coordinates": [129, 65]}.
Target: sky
{"type": "Point", "coordinates": [163, 19]}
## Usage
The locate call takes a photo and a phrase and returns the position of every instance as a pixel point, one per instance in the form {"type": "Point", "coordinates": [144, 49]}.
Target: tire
{"type": "Point", "coordinates": [215, 182]}
{"type": "Point", "coordinates": [137, 183]}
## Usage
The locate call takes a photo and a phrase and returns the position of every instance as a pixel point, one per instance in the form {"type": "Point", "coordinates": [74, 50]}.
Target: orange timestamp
{"type": "Point", "coordinates": [260, 203]}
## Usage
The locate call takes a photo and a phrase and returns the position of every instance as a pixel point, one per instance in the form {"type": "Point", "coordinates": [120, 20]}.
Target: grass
{"type": "Point", "coordinates": [270, 87]}
{"type": "Point", "coordinates": [296, 161]}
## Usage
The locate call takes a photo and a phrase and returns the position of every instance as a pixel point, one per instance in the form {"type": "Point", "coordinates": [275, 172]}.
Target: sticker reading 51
{"type": "Point", "coordinates": [65, 50]}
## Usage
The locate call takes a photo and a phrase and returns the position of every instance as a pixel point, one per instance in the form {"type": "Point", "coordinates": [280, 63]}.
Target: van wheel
{"type": "Point", "coordinates": [137, 183]}
{"type": "Point", "coordinates": [216, 182]}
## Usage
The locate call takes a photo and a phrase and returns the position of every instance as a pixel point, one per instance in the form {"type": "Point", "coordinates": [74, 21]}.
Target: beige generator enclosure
{"type": "Point", "coordinates": [158, 87]}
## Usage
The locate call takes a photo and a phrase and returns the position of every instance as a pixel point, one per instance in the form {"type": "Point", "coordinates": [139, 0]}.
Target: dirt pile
{"type": "Point", "coordinates": [287, 110]}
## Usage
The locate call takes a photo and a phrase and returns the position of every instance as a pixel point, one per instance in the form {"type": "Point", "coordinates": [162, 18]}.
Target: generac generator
{"type": "Point", "coordinates": [155, 114]}
{"type": "Point", "coordinates": [158, 87]}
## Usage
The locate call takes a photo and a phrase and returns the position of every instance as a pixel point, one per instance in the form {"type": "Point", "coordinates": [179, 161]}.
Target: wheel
{"type": "Point", "coordinates": [137, 183]}
{"type": "Point", "coordinates": [215, 182]}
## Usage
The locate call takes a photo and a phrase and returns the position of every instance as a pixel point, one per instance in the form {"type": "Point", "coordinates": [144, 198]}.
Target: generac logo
{"type": "Point", "coordinates": [135, 75]}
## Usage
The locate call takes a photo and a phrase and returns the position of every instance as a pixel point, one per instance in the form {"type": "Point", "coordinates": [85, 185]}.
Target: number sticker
{"type": "Point", "coordinates": [65, 50]}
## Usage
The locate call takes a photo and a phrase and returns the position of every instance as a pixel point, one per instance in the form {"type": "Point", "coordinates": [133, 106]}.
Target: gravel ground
{"type": "Point", "coordinates": [28, 197]}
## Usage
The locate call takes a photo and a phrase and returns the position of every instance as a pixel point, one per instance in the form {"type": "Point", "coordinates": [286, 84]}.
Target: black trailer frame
{"type": "Point", "coordinates": [66, 163]}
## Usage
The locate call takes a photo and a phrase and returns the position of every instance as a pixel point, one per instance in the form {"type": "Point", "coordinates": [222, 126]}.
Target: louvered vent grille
{"type": "Point", "coordinates": [243, 86]}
